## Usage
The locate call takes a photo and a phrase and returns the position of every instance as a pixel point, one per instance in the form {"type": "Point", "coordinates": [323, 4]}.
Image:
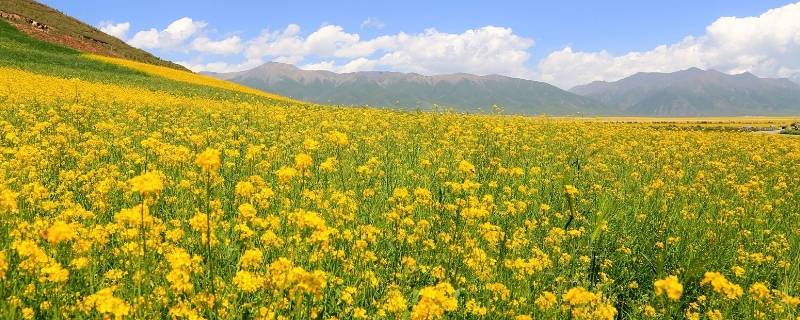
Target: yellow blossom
{"type": "Point", "coordinates": [247, 281]}
{"type": "Point", "coordinates": [721, 285]}
{"type": "Point", "coordinates": [466, 167]}
{"type": "Point", "coordinates": [147, 183]}
{"type": "Point", "coordinates": [302, 161]}
{"type": "Point", "coordinates": [107, 304]}
{"type": "Point", "coordinates": [60, 231]}
{"type": "Point", "coordinates": [208, 160]}
{"type": "Point", "coordinates": [570, 190]}
{"type": "Point", "coordinates": [546, 300]}
{"type": "Point", "coordinates": [434, 302]}
{"type": "Point", "coordinates": [669, 286]}
{"type": "Point", "coordinates": [286, 174]}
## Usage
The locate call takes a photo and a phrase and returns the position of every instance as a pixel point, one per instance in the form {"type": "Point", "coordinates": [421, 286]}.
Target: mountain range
{"type": "Point", "coordinates": [695, 92]}
{"type": "Point", "coordinates": [691, 92]}
{"type": "Point", "coordinates": [461, 91]}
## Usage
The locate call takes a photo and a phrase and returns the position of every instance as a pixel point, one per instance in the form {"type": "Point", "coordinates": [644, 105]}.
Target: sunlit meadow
{"type": "Point", "coordinates": [118, 201]}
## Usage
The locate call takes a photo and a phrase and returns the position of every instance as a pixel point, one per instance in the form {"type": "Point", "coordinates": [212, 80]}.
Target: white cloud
{"type": "Point", "coordinates": [360, 64]}
{"type": "Point", "coordinates": [220, 66]}
{"type": "Point", "coordinates": [171, 37]}
{"type": "Point", "coordinates": [323, 65]}
{"type": "Point", "coordinates": [767, 45]}
{"type": "Point", "coordinates": [119, 30]}
{"type": "Point", "coordinates": [372, 22]}
{"type": "Point", "coordinates": [288, 59]}
{"type": "Point", "coordinates": [228, 45]}
{"type": "Point", "coordinates": [276, 44]}
{"type": "Point", "coordinates": [484, 50]}
{"type": "Point", "coordinates": [329, 41]}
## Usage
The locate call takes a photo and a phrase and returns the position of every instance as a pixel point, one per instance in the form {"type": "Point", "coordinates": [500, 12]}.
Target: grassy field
{"type": "Point", "coordinates": [125, 194]}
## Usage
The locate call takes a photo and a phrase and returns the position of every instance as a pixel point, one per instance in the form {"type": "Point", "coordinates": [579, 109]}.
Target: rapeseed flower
{"type": "Point", "coordinates": [147, 183]}
{"type": "Point", "coordinates": [209, 160]}
{"type": "Point", "coordinates": [434, 302]}
{"type": "Point", "coordinates": [669, 286]}
{"type": "Point", "coordinates": [721, 285]}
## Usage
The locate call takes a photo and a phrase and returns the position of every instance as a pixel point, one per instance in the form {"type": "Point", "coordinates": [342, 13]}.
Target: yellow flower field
{"type": "Point", "coordinates": [121, 202]}
{"type": "Point", "coordinates": [184, 76]}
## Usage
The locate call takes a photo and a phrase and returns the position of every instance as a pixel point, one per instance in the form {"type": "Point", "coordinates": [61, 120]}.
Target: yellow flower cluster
{"type": "Point", "coordinates": [585, 304]}
{"type": "Point", "coordinates": [147, 183]}
{"type": "Point", "coordinates": [721, 285]}
{"type": "Point", "coordinates": [434, 302]}
{"type": "Point", "coordinates": [669, 286]}
{"type": "Point", "coordinates": [105, 303]}
{"type": "Point", "coordinates": [209, 160]}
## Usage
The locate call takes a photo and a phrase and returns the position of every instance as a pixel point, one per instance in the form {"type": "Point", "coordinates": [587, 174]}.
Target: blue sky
{"type": "Point", "coordinates": [564, 42]}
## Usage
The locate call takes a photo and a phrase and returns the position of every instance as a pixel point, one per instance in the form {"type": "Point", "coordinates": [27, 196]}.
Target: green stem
{"type": "Point", "coordinates": [209, 258]}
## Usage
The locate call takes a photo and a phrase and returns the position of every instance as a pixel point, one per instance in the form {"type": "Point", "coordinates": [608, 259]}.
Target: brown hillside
{"type": "Point", "coordinates": [48, 24]}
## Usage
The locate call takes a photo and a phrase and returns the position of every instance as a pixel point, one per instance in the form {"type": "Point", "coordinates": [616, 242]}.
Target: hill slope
{"type": "Point", "coordinates": [47, 24]}
{"type": "Point", "coordinates": [696, 92]}
{"type": "Point", "coordinates": [465, 92]}
{"type": "Point", "coordinates": [22, 52]}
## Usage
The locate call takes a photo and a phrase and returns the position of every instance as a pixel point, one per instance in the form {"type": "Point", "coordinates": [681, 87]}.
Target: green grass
{"type": "Point", "coordinates": [18, 50]}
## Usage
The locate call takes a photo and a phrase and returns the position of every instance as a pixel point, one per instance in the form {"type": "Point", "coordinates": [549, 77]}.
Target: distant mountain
{"type": "Point", "coordinates": [696, 92]}
{"type": "Point", "coordinates": [463, 92]}
{"type": "Point", "coordinates": [44, 23]}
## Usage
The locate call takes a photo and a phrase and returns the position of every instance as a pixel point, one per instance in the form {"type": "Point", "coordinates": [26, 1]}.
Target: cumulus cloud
{"type": "Point", "coordinates": [220, 66]}
{"type": "Point", "coordinates": [173, 36]}
{"type": "Point", "coordinates": [323, 65]}
{"type": "Point", "coordinates": [329, 41]}
{"type": "Point", "coordinates": [119, 30]}
{"type": "Point", "coordinates": [228, 45]}
{"type": "Point", "coordinates": [766, 45]}
{"type": "Point", "coordinates": [484, 50]}
{"type": "Point", "coordinates": [285, 42]}
{"type": "Point", "coordinates": [372, 22]}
